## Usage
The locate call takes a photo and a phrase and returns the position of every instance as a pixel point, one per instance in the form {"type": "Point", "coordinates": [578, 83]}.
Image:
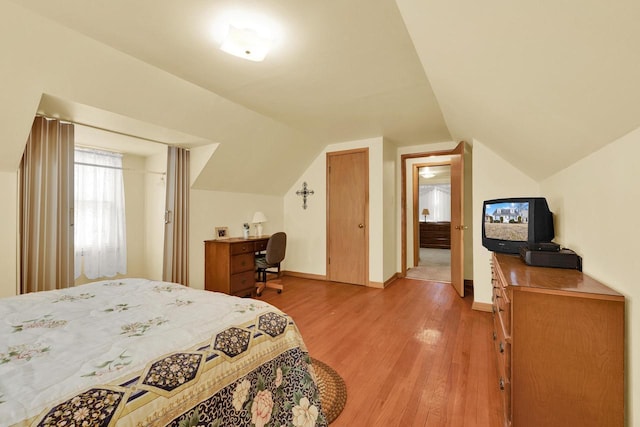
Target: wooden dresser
{"type": "Point", "coordinates": [229, 264]}
{"type": "Point", "coordinates": [435, 235]}
{"type": "Point", "coordinates": [559, 340]}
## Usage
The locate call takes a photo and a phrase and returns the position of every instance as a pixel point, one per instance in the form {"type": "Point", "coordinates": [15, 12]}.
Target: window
{"type": "Point", "coordinates": [437, 198]}
{"type": "Point", "coordinates": [99, 228]}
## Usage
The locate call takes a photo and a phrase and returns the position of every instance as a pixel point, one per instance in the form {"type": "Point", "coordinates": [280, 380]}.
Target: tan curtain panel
{"type": "Point", "coordinates": [46, 207]}
{"type": "Point", "coordinates": [176, 230]}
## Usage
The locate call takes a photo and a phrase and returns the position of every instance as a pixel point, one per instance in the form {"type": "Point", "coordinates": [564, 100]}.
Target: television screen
{"type": "Point", "coordinates": [507, 221]}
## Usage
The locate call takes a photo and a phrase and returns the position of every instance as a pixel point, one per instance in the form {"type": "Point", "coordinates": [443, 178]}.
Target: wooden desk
{"type": "Point", "coordinates": [229, 264]}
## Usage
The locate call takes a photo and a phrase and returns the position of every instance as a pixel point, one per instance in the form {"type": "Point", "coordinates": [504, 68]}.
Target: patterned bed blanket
{"type": "Point", "coordinates": [135, 352]}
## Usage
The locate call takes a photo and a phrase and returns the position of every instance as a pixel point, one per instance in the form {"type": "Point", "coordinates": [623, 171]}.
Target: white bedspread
{"type": "Point", "coordinates": [54, 345]}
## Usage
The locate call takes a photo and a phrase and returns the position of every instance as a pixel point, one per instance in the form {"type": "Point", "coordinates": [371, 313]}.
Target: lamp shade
{"type": "Point", "coordinates": [425, 211]}
{"type": "Point", "coordinates": [259, 218]}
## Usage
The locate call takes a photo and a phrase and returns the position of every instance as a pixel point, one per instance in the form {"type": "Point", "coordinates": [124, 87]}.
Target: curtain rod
{"type": "Point", "coordinates": [108, 130]}
{"type": "Point", "coordinates": [119, 168]}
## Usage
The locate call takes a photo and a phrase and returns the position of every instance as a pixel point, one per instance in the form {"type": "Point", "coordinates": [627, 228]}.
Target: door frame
{"type": "Point", "coordinates": [458, 150]}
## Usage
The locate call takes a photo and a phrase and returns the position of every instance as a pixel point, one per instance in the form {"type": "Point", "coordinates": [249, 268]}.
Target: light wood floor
{"type": "Point", "coordinates": [413, 354]}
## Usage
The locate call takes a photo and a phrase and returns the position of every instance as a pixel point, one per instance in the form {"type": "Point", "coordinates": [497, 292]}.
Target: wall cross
{"type": "Point", "coordinates": [304, 193]}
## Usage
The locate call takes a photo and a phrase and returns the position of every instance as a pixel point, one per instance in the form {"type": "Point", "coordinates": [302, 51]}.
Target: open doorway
{"type": "Point", "coordinates": [432, 221]}
{"type": "Point", "coordinates": [409, 207]}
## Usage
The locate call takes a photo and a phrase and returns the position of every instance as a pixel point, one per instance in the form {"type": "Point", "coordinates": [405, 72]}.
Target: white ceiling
{"type": "Point", "coordinates": [344, 70]}
{"type": "Point", "coordinates": [541, 83]}
{"type": "Point", "coordinates": [441, 172]}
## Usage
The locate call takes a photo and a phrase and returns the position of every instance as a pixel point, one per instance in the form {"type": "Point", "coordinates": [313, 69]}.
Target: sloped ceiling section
{"type": "Point", "coordinates": [542, 83]}
{"type": "Point", "coordinates": [344, 71]}
{"type": "Point", "coordinates": [42, 57]}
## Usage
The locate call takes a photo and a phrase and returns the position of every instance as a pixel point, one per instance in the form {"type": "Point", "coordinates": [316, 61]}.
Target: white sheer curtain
{"type": "Point", "coordinates": [436, 198]}
{"type": "Point", "coordinates": [100, 230]}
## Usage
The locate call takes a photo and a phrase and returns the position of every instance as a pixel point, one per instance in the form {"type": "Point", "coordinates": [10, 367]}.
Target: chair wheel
{"type": "Point", "coordinates": [279, 291]}
{"type": "Point", "coordinates": [258, 293]}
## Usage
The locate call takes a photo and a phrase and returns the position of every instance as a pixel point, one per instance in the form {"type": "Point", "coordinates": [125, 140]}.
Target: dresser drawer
{"type": "Point", "coordinates": [505, 393]}
{"type": "Point", "coordinates": [242, 248]}
{"type": "Point", "coordinates": [242, 281]}
{"type": "Point", "coordinates": [502, 308]}
{"type": "Point", "coordinates": [503, 351]}
{"type": "Point", "coordinates": [242, 262]}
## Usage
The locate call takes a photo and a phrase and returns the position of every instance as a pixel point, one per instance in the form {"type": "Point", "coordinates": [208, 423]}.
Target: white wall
{"type": "Point", "coordinates": [211, 209]}
{"type": "Point", "coordinates": [595, 202]}
{"type": "Point", "coordinates": [376, 211]}
{"type": "Point", "coordinates": [493, 177]}
{"type": "Point", "coordinates": [389, 202]}
{"type": "Point", "coordinates": [308, 227]}
{"type": "Point", "coordinates": [8, 234]}
{"type": "Point", "coordinates": [134, 187]}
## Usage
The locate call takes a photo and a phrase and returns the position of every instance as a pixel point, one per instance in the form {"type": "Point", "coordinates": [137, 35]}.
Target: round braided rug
{"type": "Point", "coordinates": [333, 390]}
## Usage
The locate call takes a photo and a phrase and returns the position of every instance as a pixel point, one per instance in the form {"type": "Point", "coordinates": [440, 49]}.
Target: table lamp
{"type": "Point", "coordinates": [425, 212]}
{"type": "Point", "coordinates": [258, 219]}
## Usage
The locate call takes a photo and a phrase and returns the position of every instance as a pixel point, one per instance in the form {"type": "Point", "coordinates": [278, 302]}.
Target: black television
{"type": "Point", "coordinates": [509, 224]}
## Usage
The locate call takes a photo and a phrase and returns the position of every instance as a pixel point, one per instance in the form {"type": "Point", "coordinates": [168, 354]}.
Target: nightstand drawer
{"type": "Point", "coordinates": [243, 262]}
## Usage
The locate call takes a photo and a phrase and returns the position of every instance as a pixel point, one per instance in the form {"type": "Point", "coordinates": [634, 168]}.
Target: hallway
{"type": "Point", "coordinates": [434, 265]}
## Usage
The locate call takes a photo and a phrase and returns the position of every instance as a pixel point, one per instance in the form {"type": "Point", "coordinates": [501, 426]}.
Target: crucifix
{"type": "Point", "coordinates": [304, 193]}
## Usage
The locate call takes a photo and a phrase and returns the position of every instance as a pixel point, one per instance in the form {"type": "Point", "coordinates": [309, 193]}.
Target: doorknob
{"type": "Point", "coordinates": [360, 225]}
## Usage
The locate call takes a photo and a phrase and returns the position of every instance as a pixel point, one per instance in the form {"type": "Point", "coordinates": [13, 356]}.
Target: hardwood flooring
{"type": "Point", "coordinates": [413, 354]}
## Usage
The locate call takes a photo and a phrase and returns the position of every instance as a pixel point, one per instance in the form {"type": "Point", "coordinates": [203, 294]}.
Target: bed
{"type": "Point", "coordinates": [136, 352]}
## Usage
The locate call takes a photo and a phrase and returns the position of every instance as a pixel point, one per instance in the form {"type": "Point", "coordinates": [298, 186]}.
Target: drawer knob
{"type": "Point", "coordinates": [501, 383]}
{"type": "Point", "coordinates": [495, 335]}
{"type": "Point", "coordinates": [501, 346]}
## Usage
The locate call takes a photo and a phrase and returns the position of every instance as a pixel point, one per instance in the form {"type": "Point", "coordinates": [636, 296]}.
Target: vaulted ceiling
{"type": "Point", "coordinates": [541, 83]}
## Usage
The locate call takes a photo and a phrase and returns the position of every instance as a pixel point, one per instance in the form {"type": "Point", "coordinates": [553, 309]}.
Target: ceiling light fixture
{"type": "Point", "coordinates": [247, 36]}
{"type": "Point", "coordinates": [246, 43]}
{"type": "Point", "coordinates": [426, 173]}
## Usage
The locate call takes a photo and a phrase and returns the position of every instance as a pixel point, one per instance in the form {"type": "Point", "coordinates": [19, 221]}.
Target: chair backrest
{"type": "Point", "coordinates": [276, 247]}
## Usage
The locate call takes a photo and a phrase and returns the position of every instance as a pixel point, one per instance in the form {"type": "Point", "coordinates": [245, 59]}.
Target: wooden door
{"type": "Point", "coordinates": [457, 217]}
{"type": "Point", "coordinates": [347, 216]}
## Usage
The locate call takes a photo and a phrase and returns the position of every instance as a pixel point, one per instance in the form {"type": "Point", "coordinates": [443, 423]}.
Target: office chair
{"type": "Point", "coordinates": [276, 247]}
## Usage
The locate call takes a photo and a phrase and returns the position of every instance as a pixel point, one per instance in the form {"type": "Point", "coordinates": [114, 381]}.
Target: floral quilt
{"type": "Point", "coordinates": [136, 352]}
